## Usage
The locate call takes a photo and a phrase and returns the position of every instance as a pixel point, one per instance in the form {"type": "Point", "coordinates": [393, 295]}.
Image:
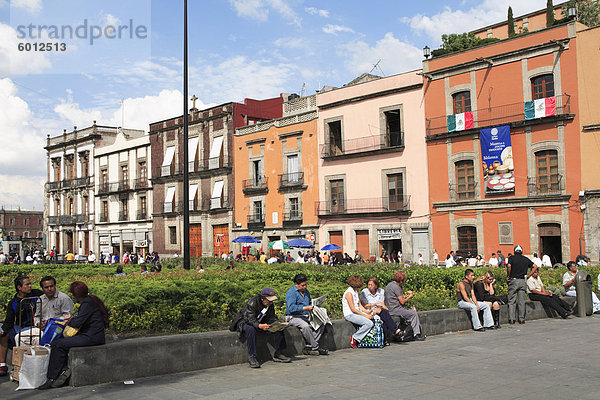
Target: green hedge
{"type": "Point", "coordinates": [177, 300]}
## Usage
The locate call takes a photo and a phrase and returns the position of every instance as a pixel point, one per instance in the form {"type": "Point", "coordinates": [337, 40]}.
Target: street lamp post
{"type": "Point", "coordinates": [186, 178]}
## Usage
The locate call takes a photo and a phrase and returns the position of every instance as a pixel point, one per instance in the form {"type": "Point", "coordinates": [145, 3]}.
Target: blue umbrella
{"type": "Point", "coordinates": [329, 247]}
{"type": "Point", "coordinates": [300, 243]}
{"type": "Point", "coordinates": [246, 239]}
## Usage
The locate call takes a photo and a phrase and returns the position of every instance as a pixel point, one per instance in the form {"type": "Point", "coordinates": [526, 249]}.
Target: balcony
{"type": "Point", "coordinates": [123, 216]}
{"type": "Point", "coordinates": [205, 166]}
{"type": "Point", "coordinates": [499, 115]}
{"type": "Point", "coordinates": [545, 186]}
{"type": "Point", "coordinates": [294, 180]}
{"type": "Point", "coordinates": [292, 218]}
{"type": "Point", "coordinates": [85, 181]}
{"type": "Point", "coordinates": [82, 218]}
{"type": "Point", "coordinates": [53, 185]}
{"type": "Point", "coordinates": [255, 186]}
{"type": "Point", "coordinates": [103, 217]}
{"type": "Point", "coordinates": [53, 220]}
{"type": "Point", "coordinates": [463, 192]}
{"type": "Point", "coordinates": [67, 183]}
{"type": "Point", "coordinates": [66, 220]}
{"type": "Point", "coordinates": [141, 183]}
{"type": "Point", "coordinates": [256, 221]}
{"type": "Point", "coordinates": [141, 215]}
{"type": "Point", "coordinates": [372, 206]}
{"type": "Point", "coordinates": [171, 207]}
{"type": "Point", "coordinates": [103, 188]}
{"type": "Point", "coordinates": [362, 146]}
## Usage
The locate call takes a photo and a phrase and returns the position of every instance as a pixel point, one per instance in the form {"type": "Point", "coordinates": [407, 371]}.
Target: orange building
{"type": "Point", "coordinates": [276, 176]}
{"type": "Point", "coordinates": [527, 190]}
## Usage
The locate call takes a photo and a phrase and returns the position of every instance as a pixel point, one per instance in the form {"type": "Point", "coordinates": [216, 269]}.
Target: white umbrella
{"type": "Point", "coordinates": [278, 245]}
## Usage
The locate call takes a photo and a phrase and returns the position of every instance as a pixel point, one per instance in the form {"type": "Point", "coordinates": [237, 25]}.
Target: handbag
{"type": "Point", "coordinates": [69, 331]}
{"type": "Point", "coordinates": [375, 336]}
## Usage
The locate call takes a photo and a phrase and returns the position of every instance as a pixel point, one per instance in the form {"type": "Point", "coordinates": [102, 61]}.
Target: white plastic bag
{"type": "Point", "coordinates": [33, 370]}
{"type": "Point", "coordinates": [28, 336]}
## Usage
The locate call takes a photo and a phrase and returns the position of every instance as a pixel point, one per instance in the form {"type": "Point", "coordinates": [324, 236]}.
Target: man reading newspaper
{"type": "Point", "coordinates": [299, 310]}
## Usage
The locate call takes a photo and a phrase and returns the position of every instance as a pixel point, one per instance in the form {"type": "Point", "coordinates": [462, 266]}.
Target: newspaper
{"type": "Point", "coordinates": [278, 326]}
{"type": "Point", "coordinates": [318, 316]}
{"type": "Point", "coordinates": [318, 302]}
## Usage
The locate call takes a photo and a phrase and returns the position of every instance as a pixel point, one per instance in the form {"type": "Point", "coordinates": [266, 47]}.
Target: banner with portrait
{"type": "Point", "coordinates": [497, 160]}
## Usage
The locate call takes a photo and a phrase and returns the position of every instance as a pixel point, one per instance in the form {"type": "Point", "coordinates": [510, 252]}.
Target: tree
{"type": "Point", "coordinates": [587, 11]}
{"type": "Point", "coordinates": [511, 23]}
{"type": "Point", "coordinates": [549, 14]}
{"type": "Point", "coordinates": [460, 41]}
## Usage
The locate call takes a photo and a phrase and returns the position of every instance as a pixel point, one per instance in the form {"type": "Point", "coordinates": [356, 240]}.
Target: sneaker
{"type": "Point", "coordinates": [479, 330]}
{"type": "Point", "coordinates": [3, 370]}
{"type": "Point", "coordinates": [278, 357]}
{"type": "Point", "coordinates": [323, 352]}
{"type": "Point", "coordinates": [420, 337]}
{"type": "Point", "coordinates": [62, 378]}
{"type": "Point", "coordinates": [253, 362]}
{"type": "Point", "coordinates": [491, 327]}
{"type": "Point", "coordinates": [310, 352]}
{"type": "Point", "coordinates": [353, 343]}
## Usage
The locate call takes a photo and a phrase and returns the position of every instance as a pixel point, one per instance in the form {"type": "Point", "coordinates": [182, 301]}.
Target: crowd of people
{"type": "Point", "coordinates": [30, 310]}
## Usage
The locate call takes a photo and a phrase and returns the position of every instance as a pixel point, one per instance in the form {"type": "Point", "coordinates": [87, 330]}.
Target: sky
{"type": "Point", "coordinates": [120, 62]}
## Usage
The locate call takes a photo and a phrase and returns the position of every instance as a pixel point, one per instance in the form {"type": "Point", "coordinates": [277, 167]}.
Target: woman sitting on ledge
{"type": "Point", "coordinates": [354, 311]}
{"type": "Point", "coordinates": [373, 298]}
{"type": "Point", "coordinates": [90, 322]}
{"type": "Point", "coordinates": [485, 291]}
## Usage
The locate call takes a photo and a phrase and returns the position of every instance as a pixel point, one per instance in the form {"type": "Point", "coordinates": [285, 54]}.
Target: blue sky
{"type": "Point", "coordinates": [237, 49]}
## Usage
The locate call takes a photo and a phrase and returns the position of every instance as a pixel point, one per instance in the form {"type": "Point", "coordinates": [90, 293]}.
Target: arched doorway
{"type": "Point", "coordinates": [550, 242]}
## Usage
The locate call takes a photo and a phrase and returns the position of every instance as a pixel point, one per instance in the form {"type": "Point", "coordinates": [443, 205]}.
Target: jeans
{"type": "Point", "coordinates": [488, 321]}
{"type": "Point", "coordinates": [250, 332]}
{"type": "Point", "coordinates": [364, 325]}
{"type": "Point", "coordinates": [517, 289]}
{"type": "Point", "coordinates": [311, 336]}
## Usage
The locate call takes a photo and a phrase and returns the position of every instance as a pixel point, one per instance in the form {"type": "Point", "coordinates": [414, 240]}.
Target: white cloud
{"type": "Point", "coordinates": [293, 43]}
{"type": "Point", "coordinates": [238, 77]}
{"type": "Point", "coordinates": [71, 111]}
{"type": "Point", "coordinates": [316, 11]}
{"type": "Point", "coordinates": [396, 56]}
{"type": "Point", "coordinates": [3, 3]}
{"type": "Point", "coordinates": [458, 21]}
{"type": "Point", "coordinates": [22, 170]}
{"type": "Point", "coordinates": [15, 62]}
{"type": "Point", "coordinates": [259, 10]}
{"type": "Point", "coordinates": [335, 29]}
{"type": "Point", "coordinates": [140, 72]}
{"type": "Point", "coordinates": [33, 6]}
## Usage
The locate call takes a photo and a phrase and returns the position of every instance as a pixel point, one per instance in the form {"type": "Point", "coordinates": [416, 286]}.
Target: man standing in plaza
{"type": "Point", "coordinates": [297, 305]}
{"type": "Point", "coordinates": [395, 301]}
{"type": "Point", "coordinates": [516, 275]}
{"type": "Point", "coordinates": [256, 317]}
{"type": "Point", "coordinates": [55, 304]}
{"type": "Point", "coordinates": [501, 259]}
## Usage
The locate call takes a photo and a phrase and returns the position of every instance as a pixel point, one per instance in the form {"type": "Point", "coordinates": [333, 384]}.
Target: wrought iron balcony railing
{"type": "Point", "coordinates": [362, 145]}
{"type": "Point", "coordinates": [367, 205]}
{"type": "Point", "coordinates": [545, 185]}
{"type": "Point", "coordinates": [291, 179]}
{"type": "Point", "coordinates": [140, 215]}
{"type": "Point", "coordinates": [123, 216]}
{"type": "Point", "coordinates": [257, 185]}
{"type": "Point", "coordinates": [103, 218]}
{"type": "Point", "coordinates": [460, 192]}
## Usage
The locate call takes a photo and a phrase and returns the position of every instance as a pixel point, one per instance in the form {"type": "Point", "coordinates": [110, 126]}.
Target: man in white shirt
{"type": "Point", "coordinates": [471, 261]}
{"type": "Point", "coordinates": [421, 261]}
{"type": "Point", "coordinates": [546, 262]}
{"type": "Point", "coordinates": [436, 258]}
{"type": "Point", "coordinates": [536, 260]}
{"type": "Point", "coordinates": [55, 304]}
{"type": "Point", "coordinates": [91, 258]}
{"type": "Point", "coordinates": [537, 292]}
{"type": "Point", "coordinates": [493, 262]}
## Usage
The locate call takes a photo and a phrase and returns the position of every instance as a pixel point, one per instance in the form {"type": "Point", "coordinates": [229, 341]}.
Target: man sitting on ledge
{"type": "Point", "coordinates": [257, 316]}
{"type": "Point", "coordinates": [537, 292]}
{"type": "Point", "coordinates": [465, 295]}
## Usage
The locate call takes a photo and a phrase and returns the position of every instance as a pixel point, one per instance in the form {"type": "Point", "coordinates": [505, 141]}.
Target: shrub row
{"type": "Point", "coordinates": [177, 300]}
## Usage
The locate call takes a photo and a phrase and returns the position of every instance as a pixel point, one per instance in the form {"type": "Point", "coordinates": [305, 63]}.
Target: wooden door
{"type": "Point", "coordinates": [221, 239]}
{"type": "Point", "coordinates": [362, 243]}
{"type": "Point", "coordinates": [195, 240]}
{"type": "Point", "coordinates": [337, 237]}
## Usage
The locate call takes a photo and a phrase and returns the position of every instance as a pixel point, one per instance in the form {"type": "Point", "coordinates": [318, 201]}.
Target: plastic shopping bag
{"type": "Point", "coordinates": [54, 329]}
{"type": "Point", "coordinates": [28, 336]}
{"type": "Point", "coordinates": [34, 368]}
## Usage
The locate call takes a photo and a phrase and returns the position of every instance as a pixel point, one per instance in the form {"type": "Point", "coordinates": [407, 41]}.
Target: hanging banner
{"type": "Point", "coordinates": [497, 160]}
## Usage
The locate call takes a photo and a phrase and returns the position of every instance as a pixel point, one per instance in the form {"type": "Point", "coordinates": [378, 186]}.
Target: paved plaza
{"type": "Point", "coordinates": [541, 359]}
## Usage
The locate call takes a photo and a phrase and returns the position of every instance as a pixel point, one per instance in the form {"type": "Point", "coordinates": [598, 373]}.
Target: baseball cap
{"type": "Point", "coordinates": [518, 249]}
{"type": "Point", "coordinates": [268, 294]}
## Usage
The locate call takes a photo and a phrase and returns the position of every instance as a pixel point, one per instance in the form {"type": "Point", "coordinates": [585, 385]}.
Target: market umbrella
{"type": "Point", "coordinates": [278, 245]}
{"type": "Point", "coordinates": [329, 247]}
{"type": "Point", "coordinates": [246, 239]}
{"type": "Point", "coordinates": [302, 243]}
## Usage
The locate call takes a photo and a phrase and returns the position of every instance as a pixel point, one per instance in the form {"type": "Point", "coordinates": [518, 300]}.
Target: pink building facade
{"type": "Point", "coordinates": [373, 190]}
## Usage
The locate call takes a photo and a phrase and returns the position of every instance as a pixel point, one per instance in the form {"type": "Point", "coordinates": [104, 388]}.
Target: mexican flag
{"type": "Point", "coordinates": [540, 108]}
{"type": "Point", "coordinates": [460, 122]}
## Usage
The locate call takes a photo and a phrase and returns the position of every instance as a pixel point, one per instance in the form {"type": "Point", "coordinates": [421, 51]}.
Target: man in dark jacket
{"type": "Point", "coordinates": [17, 312]}
{"type": "Point", "coordinates": [257, 316]}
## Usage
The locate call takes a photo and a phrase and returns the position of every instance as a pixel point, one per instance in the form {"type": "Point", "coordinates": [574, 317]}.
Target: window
{"type": "Point", "coordinates": [57, 207]}
{"type": "Point", "coordinates": [258, 211]}
{"type": "Point", "coordinates": [26, 234]}
{"type": "Point", "coordinates": [56, 164]}
{"type": "Point", "coordinates": [216, 153]}
{"type": "Point", "coordinates": [294, 208]}
{"type": "Point", "coordinates": [467, 240]}
{"type": "Point", "coordinates": [39, 234]}
{"type": "Point", "coordinates": [104, 177]}
{"type": "Point", "coordinates": [335, 138]}
{"type": "Point", "coordinates": [70, 206]}
{"type": "Point", "coordinates": [292, 164]}
{"type": "Point", "coordinates": [142, 170]}
{"type": "Point", "coordinates": [11, 221]}
{"type": "Point", "coordinates": [173, 235]}
{"type": "Point", "coordinates": [337, 195]}
{"type": "Point", "coordinates": [395, 192]}
{"type": "Point", "coordinates": [125, 176]}
{"type": "Point", "coordinates": [143, 206]}
{"type": "Point", "coordinates": [465, 180]}
{"type": "Point", "coordinates": [548, 178]}
{"type": "Point", "coordinates": [104, 215]}
{"type": "Point", "coordinates": [542, 86]}
{"type": "Point", "coordinates": [85, 165]}
{"type": "Point", "coordinates": [70, 170]}
{"type": "Point", "coordinates": [124, 210]}
{"type": "Point", "coordinates": [26, 221]}
{"type": "Point", "coordinates": [256, 172]}
{"type": "Point", "coordinates": [461, 102]}
{"type": "Point", "coordinates": [84, 205]}
{"type": "Point", "coordinates": [393, 133]}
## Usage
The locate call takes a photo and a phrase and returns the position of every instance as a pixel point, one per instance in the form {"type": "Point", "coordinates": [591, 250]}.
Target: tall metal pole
{"type": "Point", "coordinates": [186, 178]}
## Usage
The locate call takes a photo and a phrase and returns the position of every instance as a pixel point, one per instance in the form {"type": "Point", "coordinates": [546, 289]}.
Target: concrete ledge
{"type": "Point", "coordinates": [141, 357]}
